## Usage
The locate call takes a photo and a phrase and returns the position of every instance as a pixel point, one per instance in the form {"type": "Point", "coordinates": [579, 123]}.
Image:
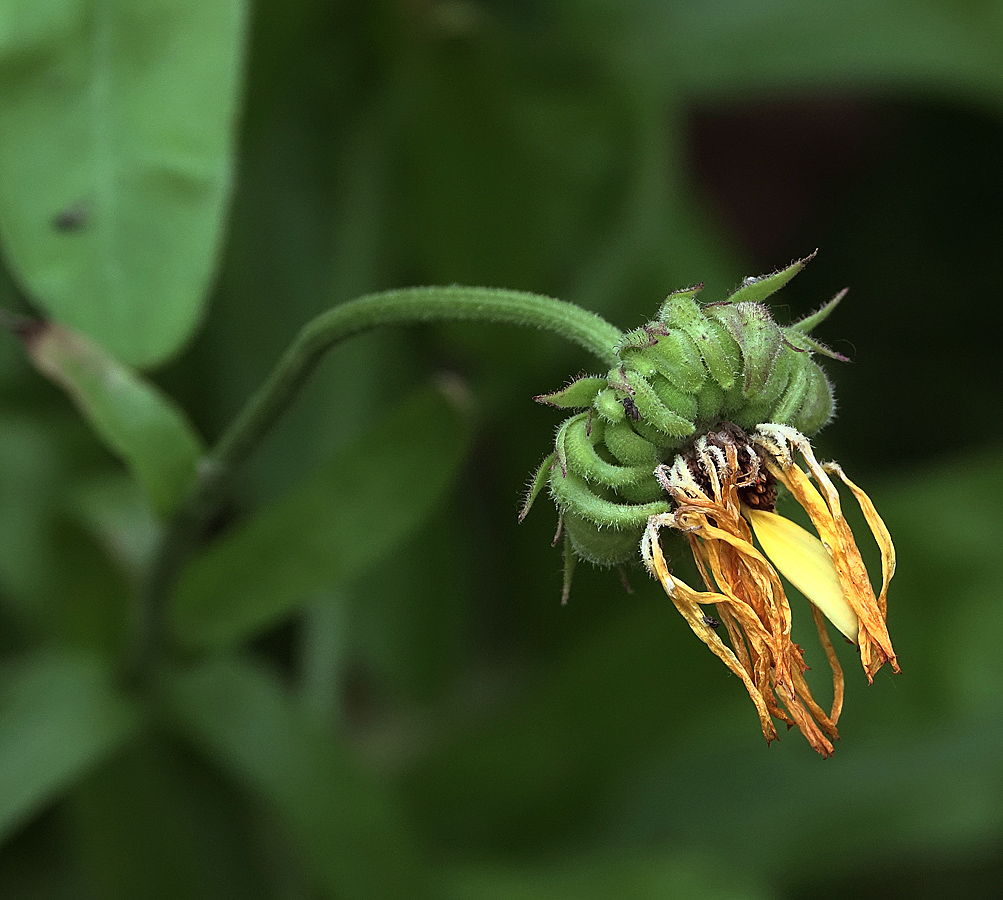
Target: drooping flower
{"type": "Point", "coordinates": [722, 491]}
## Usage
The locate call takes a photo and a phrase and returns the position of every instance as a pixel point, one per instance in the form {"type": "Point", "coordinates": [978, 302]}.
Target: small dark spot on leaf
{"type": "Point", "coordinates": [73, 218]}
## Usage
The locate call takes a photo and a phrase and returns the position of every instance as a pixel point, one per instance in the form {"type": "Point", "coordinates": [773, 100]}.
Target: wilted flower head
{"type": "Point", "coordinates": [722, 491]}
{"type": "Point", "coordinates": [692, 386]}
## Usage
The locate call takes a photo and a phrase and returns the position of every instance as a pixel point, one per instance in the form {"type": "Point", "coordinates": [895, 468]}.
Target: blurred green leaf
{"type": "Point", "coordinates": [946, 602]}
{"type": "Point", "coordinates": [539, 768]}
{"type": "Point", "coordinates": [336, 524]}
{"type": "Point", "coordinates": [113, 509]}
{"type": "Point", "coordinates": [885, 799]}
{"type": "Point", "coordinates": [116, 123]}
{"type": "Point", "coordinates": [39, 864]}
{"type": "Point", "coordinates": [482, 117]}
{"type": "Point", "coordinates": [150, 824]}
{"type": "Point", "coordinates": [34, 466]}
{"type": "Point", "coordinates": [348, 830]}
{"type": "Point", "coordinates": [678, 877]}
{"type": "Point", "coordinates": [53, 582]}
{"type": "Point", "coordinates": [408, 624]}
{"type": "Point", "coordinates": [750, 47]}
{"type": "Point", "coordinates": [59, 715]}
{"type": "Point", "coordinates": [321, 656]}
{"type": "Point", "coordinates": [137, 422]}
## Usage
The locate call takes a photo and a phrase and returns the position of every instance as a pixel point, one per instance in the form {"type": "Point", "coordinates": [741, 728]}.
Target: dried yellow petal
{"type": "Point", "coordinates": [722, 490]}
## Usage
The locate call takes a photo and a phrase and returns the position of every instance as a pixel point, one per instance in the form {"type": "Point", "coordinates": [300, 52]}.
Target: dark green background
{"type": "Point", "coordinates": [430, 722]}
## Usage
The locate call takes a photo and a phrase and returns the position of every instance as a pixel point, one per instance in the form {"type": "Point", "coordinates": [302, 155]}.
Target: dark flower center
{"type": "Point", "coordinates": [757, 488]}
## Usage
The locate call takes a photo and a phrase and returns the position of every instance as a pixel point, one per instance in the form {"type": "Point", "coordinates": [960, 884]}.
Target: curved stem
{"type": "Point", "coordinates": [399, 307]}
{"type": "Point", "coordinates": [403, 307]}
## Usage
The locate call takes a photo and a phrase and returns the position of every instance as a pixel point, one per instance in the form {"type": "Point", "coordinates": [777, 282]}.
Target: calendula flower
{"type": "Point", "coordinates": [723, 491]}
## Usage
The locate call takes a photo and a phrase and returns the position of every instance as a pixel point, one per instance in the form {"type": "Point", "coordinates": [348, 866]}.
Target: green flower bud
{"type": "Point", "coordinates": [690, 368]}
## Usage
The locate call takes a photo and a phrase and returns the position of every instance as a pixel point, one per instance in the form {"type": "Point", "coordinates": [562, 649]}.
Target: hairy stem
{"type": "Point", "coordinates": [403, 307]}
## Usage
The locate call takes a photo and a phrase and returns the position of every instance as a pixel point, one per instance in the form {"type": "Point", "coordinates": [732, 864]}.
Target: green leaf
{"type": "Point", "coordinates": [40, 866]}
{"type": "Point", "coordinates": [346, 828]}
{"type": "Point", "coordinates": [111, 507]}
{"type": "Point", "coordinates": [59, 715]}
{"type": "Point", "coordinates": [116, 127]}
{"type": "Point", "coordinates": [337, 523]}
{"type": "Point", "coordinates": [135, 420]}
{"type": "Point", "coordinates": [154, 823]}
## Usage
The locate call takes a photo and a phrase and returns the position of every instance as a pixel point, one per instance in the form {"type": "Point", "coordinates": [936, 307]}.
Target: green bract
{"type": "Point", "coordinates": [676, 377]}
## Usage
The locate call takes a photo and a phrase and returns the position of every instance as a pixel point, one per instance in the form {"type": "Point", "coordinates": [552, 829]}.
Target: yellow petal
{"type": "Point", "coordinates": [802, 558]}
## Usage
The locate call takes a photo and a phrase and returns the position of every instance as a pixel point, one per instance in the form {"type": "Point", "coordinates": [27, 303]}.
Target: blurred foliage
{"type": "Point", "coordinates": [378, 693]}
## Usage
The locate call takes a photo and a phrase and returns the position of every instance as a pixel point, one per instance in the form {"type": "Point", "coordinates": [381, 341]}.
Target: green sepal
{"type": "Point", "coordinates": [609, 407]}
{"type": "Point", "coordinates": [684, 293]}
{"type": "Point", "coordinates": [648, 364]}
{"type": "Point", "coordinates": [573, 495]}
{"type": "Point", "coordinates": [601, 546]}
{"type": "Point", "coordinates": [642, 362]}
{"type": "Point", "coordinates": [636, 339]}
{"type": "Point", "coordinates": [710, 402]}
{"type": "Point", "coordinates": [539, 482]}
{"type": "Point", "coordinates": [761, 408]}
{"type": "Point", "coordinates": [578, 394]}
{"type": "Point", "coordinates": [758, 337]}
{"type": "Point", "coordinates": [755, 290]}
{"type": "Point", "coordinates": [657, 438]}
{"type": "Point", "coordinates": [647, 490]}
{"type": "Point", "coordinates": [570, 559]}
{"type": "Point", "coordinates": [560, 446]}
{"type": "Point", "coordinates": [685, 314]}
{"type": "Point", "coordinates": [675, 357]}
{"type": "Point", "coordinates": [629, 448]}
{"type": "Point", "coordinates": [807, 344]}
{"type": "Point", "coordinates": [811, 321]}
{"type": "Point", "coordinates": [793, 398]}
{"type": "Point", "coordinates": [729, 346]}
{"type": "Point", "coordinates": [652, 409]}
{"type": "Point", "coordinates": [584, 460]}
{"type": "Point", "coordinates": [819, 404]}
{"type": "Point", "coordinates": [674, 398]}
